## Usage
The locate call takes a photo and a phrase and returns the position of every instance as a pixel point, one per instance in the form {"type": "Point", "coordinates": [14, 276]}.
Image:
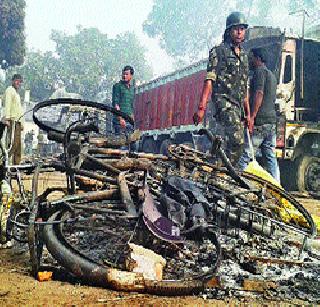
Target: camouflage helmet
{"type": "Point", "coordinates": [236, 19]}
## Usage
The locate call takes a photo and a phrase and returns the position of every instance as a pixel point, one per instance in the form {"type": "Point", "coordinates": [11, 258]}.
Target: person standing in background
{"type": "Point", "coordinates": [262, 125]}
{"type": "Point", "coordinates": [123, 97]}
{"type": "Point", "coordinates": [13, 116]}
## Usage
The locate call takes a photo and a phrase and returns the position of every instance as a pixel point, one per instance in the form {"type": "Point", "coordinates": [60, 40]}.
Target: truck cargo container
{"type": "Point", "coordinates": [164, 107]}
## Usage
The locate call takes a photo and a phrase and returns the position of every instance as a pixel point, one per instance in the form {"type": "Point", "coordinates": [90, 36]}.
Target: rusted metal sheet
{"type": "Point", "coordinates": [258, 286]}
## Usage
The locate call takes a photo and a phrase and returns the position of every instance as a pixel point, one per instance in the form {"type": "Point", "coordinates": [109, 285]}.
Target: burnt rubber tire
{"type": "Point", "coordinates": [75, 102]}
{"type": "Point", "coordinates": [98, 274]}
{"type": "Point", "coordinates": [308, 174]}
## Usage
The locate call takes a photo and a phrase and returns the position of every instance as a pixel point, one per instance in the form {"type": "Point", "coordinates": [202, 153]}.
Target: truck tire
{"type": "Point", "coordinates": [308, 174]}
{"type": "Point", "coordinates": [149, 145]}
{"type": "Point", "coordinates": [164, 147]}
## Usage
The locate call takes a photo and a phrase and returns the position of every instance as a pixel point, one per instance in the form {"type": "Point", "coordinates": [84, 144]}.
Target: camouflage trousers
{"type": "Point", "coordinates": [230, 127]}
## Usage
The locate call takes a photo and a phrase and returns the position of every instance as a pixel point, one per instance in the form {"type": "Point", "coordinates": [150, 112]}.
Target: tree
{"type": "Point", "coordinates": [87, 62]}
{"type": "Point", "coordinates": [184, 27]}
{"type": "Point", "coordinates": [303, 4]}
{"type": "Point", "coordinates": [188, 28]}
{"type": "Point", "coordinates": [12, 37]}
{"type": "Point", "coordinates": [40, 72]}
{"type": "Point", "coordinates": [89, 56]}
{"type": "Point", "coordinates": [81, 59]}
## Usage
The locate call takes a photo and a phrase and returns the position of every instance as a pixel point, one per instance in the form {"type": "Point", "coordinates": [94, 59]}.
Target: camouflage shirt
{"type": "Point", "coordinates": [229, 72]}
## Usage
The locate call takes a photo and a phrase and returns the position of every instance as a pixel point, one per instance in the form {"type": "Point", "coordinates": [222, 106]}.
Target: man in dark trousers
{"type": "Point", "coordinates": [226, 81]}
{"type": "Point", "coordinates": [262, 125]}
{"type": "Point", "coordinates": [123, 97]}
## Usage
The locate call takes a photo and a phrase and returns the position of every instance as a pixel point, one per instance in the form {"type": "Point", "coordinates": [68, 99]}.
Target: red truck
{"type": "Point", "coordinates": [164, 107]}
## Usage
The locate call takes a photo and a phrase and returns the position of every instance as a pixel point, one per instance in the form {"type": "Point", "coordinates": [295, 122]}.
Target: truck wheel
{"type": "Point", "coordinates": [149, 146]}
{"type": "Point", "coordinates": [164, 147]}
{"type": "Point", "coordinates": [308, 174]}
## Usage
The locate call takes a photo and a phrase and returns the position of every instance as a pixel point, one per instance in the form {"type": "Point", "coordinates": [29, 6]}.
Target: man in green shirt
{"type": "Point", "coordinates": [13, 115]}
{"type": "Point", "coordinates": [122, 97]}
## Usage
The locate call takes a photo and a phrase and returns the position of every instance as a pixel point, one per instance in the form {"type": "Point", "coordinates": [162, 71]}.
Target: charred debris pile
{"type": "Point", "coordinates": [176, 224]}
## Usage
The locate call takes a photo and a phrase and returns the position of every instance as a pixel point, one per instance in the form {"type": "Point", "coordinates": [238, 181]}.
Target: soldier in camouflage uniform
{"type": "Point", "coordinates": [226, 80]}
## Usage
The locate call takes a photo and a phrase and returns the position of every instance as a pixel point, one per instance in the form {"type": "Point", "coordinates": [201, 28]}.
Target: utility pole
{"type": "Point", "coordinates": [304, 13]}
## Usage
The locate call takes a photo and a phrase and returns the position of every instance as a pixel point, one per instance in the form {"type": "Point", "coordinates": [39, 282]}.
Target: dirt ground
{"type": "Point", "coordinates": [18, 288]}
{"type": "Point", "coordinates": [312, 205]}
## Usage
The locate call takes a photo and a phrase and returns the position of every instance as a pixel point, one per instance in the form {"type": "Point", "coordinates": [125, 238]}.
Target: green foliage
{"type": "Point", "coordinates": [12, 37]}
{"type": "Point", "coordinates": [87, 62]}
{"type": "Point", "coordinates": [302, 4]}
{"type": "Point", "coordinates": [89, 55]}
{"type": "Point", "coordinates": [39, 73]}
{"type": "Point", "coordinates": [184, 27]}
{"type": "Point", "coordinates": [81, 58]}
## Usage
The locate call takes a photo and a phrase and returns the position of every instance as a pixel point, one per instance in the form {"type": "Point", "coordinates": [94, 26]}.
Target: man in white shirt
{"type": "Point", "coordinates": [13, 115]}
